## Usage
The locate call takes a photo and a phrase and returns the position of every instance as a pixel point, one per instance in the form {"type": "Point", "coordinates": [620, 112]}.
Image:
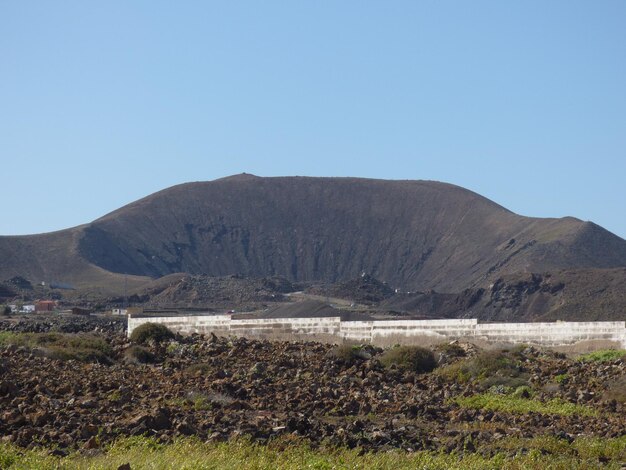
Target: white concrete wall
{"type": "Point", "coordinates": [187, 325]}
{"type": "Point", "coordinates": [548, 334]}
{"type": "Point", "coordinates": [552, 334]}
{"type": "Point", "coordinates": [296, 326]}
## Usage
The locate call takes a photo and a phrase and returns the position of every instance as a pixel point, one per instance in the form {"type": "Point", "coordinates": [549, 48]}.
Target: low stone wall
{"type": "Point", "coordinates": [395, 331]}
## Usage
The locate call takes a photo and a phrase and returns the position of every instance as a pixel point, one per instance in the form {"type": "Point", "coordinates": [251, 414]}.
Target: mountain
{"type": "Point", "coordinates": [413, 235]}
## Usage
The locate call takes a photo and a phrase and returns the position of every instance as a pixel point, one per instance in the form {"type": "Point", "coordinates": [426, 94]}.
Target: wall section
{"type": "Point", "coordinates": [332, 329]}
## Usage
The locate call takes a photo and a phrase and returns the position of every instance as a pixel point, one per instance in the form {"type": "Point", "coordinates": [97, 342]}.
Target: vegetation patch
{"type": "Point", "coordinates": [517, 404]}
{"type": "Point", "coordinates": [200, 401]}
{"type": "Point", "coordinates": [490, 368]}
{"type": "Point", "coordinates": [409, 358]}
{"type": "Point", "coordinates": [561, 378]}
{"type": "Point", "coordinates": [148, 332]}
{"type": "Point", "coordinates": [590, 449]}
{"type": "Point", "coordinates": [605, 355]}
{"type": "Point", "coordinates": [351, 353]}
{"type": "Point", "coordinates": [139, 355]}
{"type": "Point", "coordinates": [451, 349]}
{"type": "Point", "coordinates": [63, 346]}
{"type": "Point", "coordinates": [191, 453]}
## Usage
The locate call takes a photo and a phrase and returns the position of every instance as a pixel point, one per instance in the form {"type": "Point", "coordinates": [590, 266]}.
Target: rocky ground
{"type": "Point", "coordinates": [219, 388]}
{"type": "Point", "coordinates": [62, 323]}
{"type": "Point", "coordinates": [227, 291]}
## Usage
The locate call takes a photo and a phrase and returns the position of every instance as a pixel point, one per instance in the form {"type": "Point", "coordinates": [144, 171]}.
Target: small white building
{"type": "Point", "coordinates": [28, 309]}
{"type": "Point", "coordinates": [119, 311]}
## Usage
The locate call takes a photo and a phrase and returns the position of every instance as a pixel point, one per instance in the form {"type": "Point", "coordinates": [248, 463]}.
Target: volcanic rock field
{"type": "Point", "coordinates": [219, 388]}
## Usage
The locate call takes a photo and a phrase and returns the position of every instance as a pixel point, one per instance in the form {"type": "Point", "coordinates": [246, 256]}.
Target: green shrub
{"type": "Point", "coordinates": [139, 355]}
{"type": "Point", "coordinates": [561, 378]}
{"type": "Point", "coordinates": [605, 355]}
{"type": "Point", "coordinates": [523, 391]}
{"type": "Point", "coordinates": [410, 358]}
{"type": "Point", "coordinates": [490, 368]}
{"type": "Point", "coordinates": [350, 353]}
{"type": "Point", "coordinates": [151, 332]}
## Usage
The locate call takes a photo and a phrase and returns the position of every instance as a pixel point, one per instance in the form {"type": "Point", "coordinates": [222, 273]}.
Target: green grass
{"type": "Point", "coordinates": [63, 346]}
{"type": "Point", "coordinates": [191, 453]}
{"type": "Point", "coordinates": [587, 448]}
{"type": "Point", "coordinates": [518, 405]}
{"type": "Point", "coordinates": [605, 355]}
{"type": "Point", "coordinates": [6, 338]}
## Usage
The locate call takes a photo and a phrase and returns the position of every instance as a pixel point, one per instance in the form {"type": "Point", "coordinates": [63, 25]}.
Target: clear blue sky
{"type": "Point", "coordinates": [102, 103]}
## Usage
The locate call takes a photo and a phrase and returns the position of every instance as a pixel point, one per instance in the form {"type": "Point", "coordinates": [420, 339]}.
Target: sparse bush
{"type": "Point", "coordinates": [511, 383]}
{"type": "Point", "coordinates": [350, 353]}
{"type": "Point", "coordinates": [561, 378]}
{"type": "Point", "coordinates": [410, 358]}
{"type": "Point", "coordinates": [6, 310]}
{"type": "Point", "coordinates": [451, 349]}
{"type": "Point", "coordinates": [491, 363]}
{"type": "Point", "coordinates": [605, 355]}
{"type": "Point", "coordinates": [490, 368]}
{"type": "Point", "coordinates": [139, 355]}
{"type": "Point", "coordinates": [174, 349]}
{"type": "Point", "coordinates": [200, 401]}
{"type": "Point", "coordinates": [115, 396]}
{"type": "Point", "coordinates": [151, 332]}
{"type": "Point", "coordinates": [523, 391]}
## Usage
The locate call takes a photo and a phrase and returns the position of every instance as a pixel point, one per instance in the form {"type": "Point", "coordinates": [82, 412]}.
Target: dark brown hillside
{"type": "Point", "coordinates": [51, 257]}
{"type": "Point", "coordinates": [414, 235]}
{"type": "Point", "coordinates": [569, 295]}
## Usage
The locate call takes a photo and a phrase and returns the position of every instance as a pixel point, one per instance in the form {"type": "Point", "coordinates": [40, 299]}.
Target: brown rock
{"type": "Point", "coordinates": [92, 443]}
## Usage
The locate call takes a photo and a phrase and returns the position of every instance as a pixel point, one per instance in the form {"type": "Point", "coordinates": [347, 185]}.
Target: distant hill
{"type": "Point", "coordinates": [413, 235]}
{"type": "Point", "coordinates": [569, 295]}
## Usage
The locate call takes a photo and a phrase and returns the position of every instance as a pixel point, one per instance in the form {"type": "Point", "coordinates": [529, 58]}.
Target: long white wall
{"type": "Point", "coordinates": [547, 334]}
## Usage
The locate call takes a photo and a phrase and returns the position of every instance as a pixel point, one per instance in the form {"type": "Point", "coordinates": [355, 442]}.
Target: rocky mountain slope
{"type": "Point", "coordinates": [569, 295]}
{"type": "Point", "coordinates": [413, 235]}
